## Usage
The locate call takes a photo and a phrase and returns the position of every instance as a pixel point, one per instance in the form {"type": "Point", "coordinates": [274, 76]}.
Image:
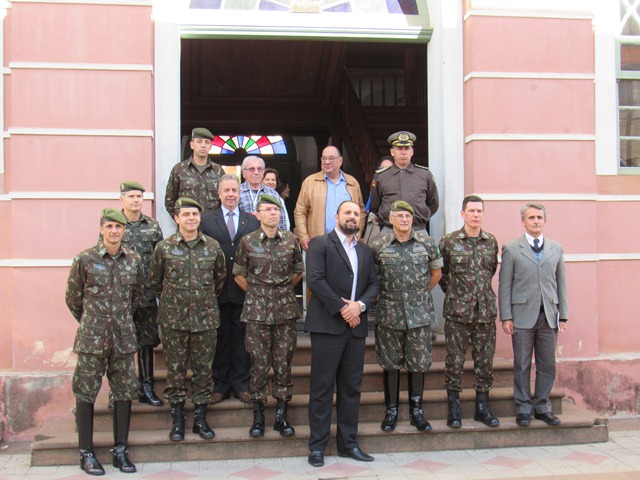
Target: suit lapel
{"type": "Point", "coordinates": [221, 223]}
{"type": "Point", "coordinates": [242, 224]}
{"type": "Point", "coordinates": [336, 241]}
{"type": "Point", "coordinates": [526, 249]}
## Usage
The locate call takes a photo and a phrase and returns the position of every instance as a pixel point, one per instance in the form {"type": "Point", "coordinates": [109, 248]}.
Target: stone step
{"type": "Point", "coordinates": [372, 377]}
{"type": "Point", "coordinates": [302, 355]}
{"type": "Point", "coordinates": [232, 412]}
{"type": "Point", "coordinates": [233, 442]}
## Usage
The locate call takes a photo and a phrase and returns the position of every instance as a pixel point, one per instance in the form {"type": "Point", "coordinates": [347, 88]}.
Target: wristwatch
{"type": "Point", "coordinates": [363, 307]}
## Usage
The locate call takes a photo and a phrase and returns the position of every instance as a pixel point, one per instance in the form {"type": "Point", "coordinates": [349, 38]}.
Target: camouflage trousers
{"type": "Point", "coordinates": [271, 346]}
{"type": "Point", "coordinates": [482, 337]}
{"type": "Point", "coordinates": [146, 327]}
{"type": "Point", "coordinates": [120, 370]}
{"type": "Point", "coordinates": [409, 349]}
{"type": "Point", "coordinates": [180, 347]}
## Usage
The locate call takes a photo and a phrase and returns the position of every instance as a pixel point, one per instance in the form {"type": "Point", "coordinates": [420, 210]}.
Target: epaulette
{"type": "Point", "coordinates": [421, 166]}
{"type": "Point", "coordinates": [382, 169]}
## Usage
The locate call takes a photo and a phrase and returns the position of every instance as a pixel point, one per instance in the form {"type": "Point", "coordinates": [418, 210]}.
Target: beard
{"type": "Point", "coordinates": [349, 228]}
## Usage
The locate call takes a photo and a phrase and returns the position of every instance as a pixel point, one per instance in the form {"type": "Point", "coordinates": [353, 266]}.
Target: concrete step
{"type": "Point", "coordinates": [302, 355]}
{"type": "Point", "coordinates": [234, 442]}
{"type": "Point", "coordinates": [232, 412]}
{"type": "Point", "coordinates": [372, 377]}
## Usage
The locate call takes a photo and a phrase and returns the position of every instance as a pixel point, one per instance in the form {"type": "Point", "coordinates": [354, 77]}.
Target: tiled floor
{"type": "Point", "coordinates": [617, 459]}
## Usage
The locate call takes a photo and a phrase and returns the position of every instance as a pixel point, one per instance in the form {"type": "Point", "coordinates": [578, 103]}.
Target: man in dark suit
{"type": "Point", "coordinates": [344, 284]}
{"type": "Point", "coordinates": [231, 363]}
{"type": "Point", "coordinates": [533, 308]}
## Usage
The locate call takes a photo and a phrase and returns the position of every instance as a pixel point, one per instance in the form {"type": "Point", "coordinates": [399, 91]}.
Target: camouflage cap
{"type": "Point", "coordinates": [402, 206]}
{"type": "Point", "coordinates": [201, 133]}
{"type": "Point", "coordinates": [113, 215]}
{"type": "Point", "coordinates": [184, 202]}
{"type": "Point", "coordinates": [264, 198]}
{"type": "Point", "coordinates": [401, 139]}
{"type": "Point", "coordinates": [128, 186]}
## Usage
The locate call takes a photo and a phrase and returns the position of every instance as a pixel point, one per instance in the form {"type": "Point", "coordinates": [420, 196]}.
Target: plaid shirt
{"type": "Point", "coordinates": [249, 200]}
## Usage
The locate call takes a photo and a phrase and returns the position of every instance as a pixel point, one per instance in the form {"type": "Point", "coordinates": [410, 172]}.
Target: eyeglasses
{"type": "Point", "coordinates": [330, 159]}
{"type": "Point", "coordinates": [254, 169]}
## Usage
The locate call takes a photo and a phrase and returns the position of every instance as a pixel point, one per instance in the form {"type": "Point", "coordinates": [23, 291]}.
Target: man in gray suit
{"type": "Point", "coordinates": [533, 308]}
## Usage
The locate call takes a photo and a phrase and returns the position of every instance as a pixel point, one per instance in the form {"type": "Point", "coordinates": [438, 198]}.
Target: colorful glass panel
{"type": "Point", "coordinates": [252, 144]}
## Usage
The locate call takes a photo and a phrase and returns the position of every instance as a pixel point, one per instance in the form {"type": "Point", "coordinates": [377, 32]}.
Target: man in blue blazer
{"type": "Point", "coordinates": [344, 284]}
{"type": "Point", "coordinates": [231, 362]}
{"type": "Point", "coordinates": [533, 308]}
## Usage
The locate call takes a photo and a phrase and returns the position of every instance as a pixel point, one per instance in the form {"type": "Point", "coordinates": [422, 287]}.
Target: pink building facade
{"type": "Point", "coordinates": [524, 105]}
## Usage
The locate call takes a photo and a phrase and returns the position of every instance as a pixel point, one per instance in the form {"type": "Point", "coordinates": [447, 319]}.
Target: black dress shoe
{"type": "Point", "coordinates": [548, 418]}
{"type": "Point", "coordinates": [316, 459]}
{"type": "Point", "coordinates": [523, 419]}
{"type": "Point", "coordinates": [356, 454]}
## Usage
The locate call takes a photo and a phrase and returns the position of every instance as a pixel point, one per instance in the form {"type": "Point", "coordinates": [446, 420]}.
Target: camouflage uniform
{"type": "Point", "coordinates": [187, 181]}
{"type": "Point", "coordinates": [142, 236]}
{"type": "Point", "coordinates": [188, 277]}
{"type": "Point", "coordinates": [469, 306]}
{"type": "Point", "coordinates": [102, 293]}
{"type": "Point", "coordinates": [405, 308]}
{"type": "Point", "coordinates": [270, 308]}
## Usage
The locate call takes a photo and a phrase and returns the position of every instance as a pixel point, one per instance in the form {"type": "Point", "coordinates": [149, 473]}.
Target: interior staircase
{"type": "Point", "coordinates": [231, 419]}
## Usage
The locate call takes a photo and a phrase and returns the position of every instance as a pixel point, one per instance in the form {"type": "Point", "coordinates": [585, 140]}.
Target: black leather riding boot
{"type": "Point", "coordinates": [391, 380]}
{"type": "Point", "coordinates": [121, 420]}
{"type": "Point", "coordinates": [145, 369]}
{"type": "Point", "coordinates": [84, 421]}
{"type": "Point", "coordinates": [416, 389]}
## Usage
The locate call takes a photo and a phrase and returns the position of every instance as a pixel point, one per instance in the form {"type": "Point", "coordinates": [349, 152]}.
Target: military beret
{"type": "Point", "coordinates": [265, 198]}
{"type": "Point", "coordinates": [201, 133]}
{"type": "Point", "coordinates": [113, 215]}
{"type": "Point", "coordinates": [402, 206]}
{"type": "Point", "coordinates": [401, 139]}
{"type": "Point", "coordinates": [184, 202]}
{"type": "Point", "coordinates": [128, 186]}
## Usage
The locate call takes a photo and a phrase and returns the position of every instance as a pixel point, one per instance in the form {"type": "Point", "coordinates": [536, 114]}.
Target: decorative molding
{"type": "Point", "coordinates": [531, 75]}
{"type": "Point", "coordinates": [68, 196]}
{"type": "Point", "coordinates": [552, 137]}
{"type": "Point", "coordinates": [564, 9]}
{"type": "Point", "coordinates": [129, 67]}
{"type": "Point", "coordinates": [557, 197]}
{"type": "Point", "coordinates": [79, 132]}
{"type": "Point", "coordinates": [569, 258]}
{"type": "Point", "coordinates": [129, 3]}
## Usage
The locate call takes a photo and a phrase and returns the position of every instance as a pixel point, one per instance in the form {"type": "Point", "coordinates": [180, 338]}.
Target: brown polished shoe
{"type": "Point", "coordinates": [243, 397]}
{"type": "Point", "coordinates": [218, 397]}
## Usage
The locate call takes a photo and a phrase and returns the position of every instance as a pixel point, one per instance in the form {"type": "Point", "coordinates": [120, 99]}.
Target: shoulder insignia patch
{"type": "Point", "coordinates": [382, 169]}
{"type": "Point", "coordinates": [421, 166]}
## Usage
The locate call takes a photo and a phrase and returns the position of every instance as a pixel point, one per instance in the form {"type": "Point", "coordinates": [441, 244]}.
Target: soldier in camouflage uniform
{"type": "Point", "coordinates": [103, 290]}
{"type": "Point", "coordinates": [268, 265]}
{"type": "Point", "coordinates": [470, 262]}
{"type": "Point", "coordinates": [196, 177]}
{"type": "Point", "coordinates": [187, 273]}
{"type": "Point", "coordinates": [142, 235]}
{"type": "Point", "coordinates": [409, 267]}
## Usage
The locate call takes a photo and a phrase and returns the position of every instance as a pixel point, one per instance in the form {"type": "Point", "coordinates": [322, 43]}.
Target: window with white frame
{"type": "Point", "coordinates": [629, 85]}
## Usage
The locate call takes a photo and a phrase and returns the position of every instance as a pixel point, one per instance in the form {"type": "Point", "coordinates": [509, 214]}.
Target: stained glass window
{"type": "Point", "coordinates": [252, 144]}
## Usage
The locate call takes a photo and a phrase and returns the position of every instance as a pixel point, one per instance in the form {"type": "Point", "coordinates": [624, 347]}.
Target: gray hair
{"type": "Point", "coordinates": [230, 177]}
{"type": "Point", "coordinates": [537, 206]}
{"type": "Point", "coordinates": [252, 157]}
